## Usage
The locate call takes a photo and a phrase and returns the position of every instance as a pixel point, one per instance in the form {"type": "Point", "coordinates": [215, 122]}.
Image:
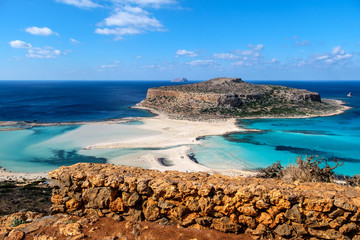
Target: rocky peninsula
{"type": "Point", "coordinates": [234, 98]}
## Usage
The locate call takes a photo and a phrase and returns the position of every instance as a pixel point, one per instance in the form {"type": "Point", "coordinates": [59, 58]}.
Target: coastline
{"type": "Point", "coordinates": [171, 142]}
{"type": "Point", "coordinates": [21, 176]}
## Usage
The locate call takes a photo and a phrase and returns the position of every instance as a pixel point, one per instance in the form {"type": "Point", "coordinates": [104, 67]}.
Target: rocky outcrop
{"type": "Point", "coordinates": [232, 97]}
{"type": "Point", "coordinates": [228, 204]}
{"type": "Point", "coordinates": [179, 80]}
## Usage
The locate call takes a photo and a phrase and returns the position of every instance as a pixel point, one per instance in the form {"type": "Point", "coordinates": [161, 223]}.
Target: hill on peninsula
{"type": "Point", "coordinates": [233, 97]}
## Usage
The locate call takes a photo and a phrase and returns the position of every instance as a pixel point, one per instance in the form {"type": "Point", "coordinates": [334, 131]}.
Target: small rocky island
{"type": "Point", "coordinates": [179, 80]}
{"type": "Point", "coordinates": [232, 97]}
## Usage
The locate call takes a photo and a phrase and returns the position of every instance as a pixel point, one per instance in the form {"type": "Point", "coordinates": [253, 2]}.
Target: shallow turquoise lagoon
{"type": "Point", "coordinates": [46, 148]}
{"type": "Point", "coordinates": [283, 140]}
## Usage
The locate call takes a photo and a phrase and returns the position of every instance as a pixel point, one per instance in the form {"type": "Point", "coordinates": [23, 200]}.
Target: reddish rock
{"type": "Point", "coordinates": [15, 235]}
{"type": "Point", "coordinates": [117, 205]}
{"type": "Point", "coordinates": [224, 225]}
{"type": "Point", "coordinates": [57, 199]}
{"type": "Point", "coordinates": [283, 230]}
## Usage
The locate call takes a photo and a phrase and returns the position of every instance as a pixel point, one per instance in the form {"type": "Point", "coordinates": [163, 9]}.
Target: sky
{"type": "Point", "coordinates": [167, 39]}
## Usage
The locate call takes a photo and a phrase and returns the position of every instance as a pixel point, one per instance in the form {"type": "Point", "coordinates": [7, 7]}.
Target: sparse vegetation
{"type": "Point", "coordinates": [24, 195]}
{"type": "Point", "coordinates": [17, 222]}
{"type": "Point", "coordinates": [353, 181]}
{"type": "Point", "coordinates": [308, 169]}
{"type": "Point", "coordinates": [273, 171]}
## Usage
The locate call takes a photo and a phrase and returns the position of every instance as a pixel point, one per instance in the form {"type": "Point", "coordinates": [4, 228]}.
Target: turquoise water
{"type": "Point", "coordinates": [46, 148]}
{"type": "Point", "coordinates": [336, 137]}
{"type": "Point", "coordinates": [17, 152]}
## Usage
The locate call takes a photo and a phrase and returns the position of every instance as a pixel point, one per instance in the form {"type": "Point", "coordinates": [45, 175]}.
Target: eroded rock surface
{"type": "Point", "coordinates": [259, 207]}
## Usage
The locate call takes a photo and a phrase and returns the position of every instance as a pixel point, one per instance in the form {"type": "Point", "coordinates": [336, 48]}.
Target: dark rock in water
{"type": "Point", "coordinates": [232, 97]}
{"type": "Point", "coordinates": [180, 80]}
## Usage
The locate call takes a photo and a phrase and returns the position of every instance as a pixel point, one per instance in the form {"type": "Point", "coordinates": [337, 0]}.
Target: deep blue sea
{"type": "Point", "coordinates": [34, 150]}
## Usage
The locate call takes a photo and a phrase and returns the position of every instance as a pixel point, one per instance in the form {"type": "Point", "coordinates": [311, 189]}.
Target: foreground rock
{"type": "Point", "coordinates": [232, 97]}
{"type": "Point", "coordinates": [64, 226]}
{"type": "Point", "coordinates": [253, 206]}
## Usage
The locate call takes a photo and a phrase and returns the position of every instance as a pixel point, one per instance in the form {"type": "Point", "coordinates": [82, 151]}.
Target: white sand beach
{"type": "Point", "coordinates": [15, 176]}
{"type": "Point", "coordinates": [159, 143]}
{"type": "Point", "coordinates": [177, 135]}
{"type": "Point", "coordinates": [165, 143]}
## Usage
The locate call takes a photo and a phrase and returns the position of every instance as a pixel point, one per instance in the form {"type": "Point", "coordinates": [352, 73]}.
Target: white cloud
{"type": "Point", "coordinates": [109, 66]}
{"type": "Point", "coordinates": [152, 3]}
{"type": "Point", "coordinates": [36, 52]}
{"type": "Point", "coordinates": [225, 56]}
{"type": "Point", "coordinates": [80, 3]}
{"type": "Point", "coordinates": [274, 60]}
{"type": "Point", "coordinates": [19, 44]}
{"type": "Point", "coordinates": [117, 31]}
{"type": "Point", "coordinates": [112, 66]}
{"type": "Point", "coordinates": [254, 50]}
{"type": "Point", "coordinates": [249, 57]}
{"type": "Point", "coordinates": [46, 52]}
{"type": "Point", "coordinates": [322, 57]}
{"type": "Point", "coordinates": [132, 16]}
{"type": "Point", "coordinates": [302, 43]}
{"type": "Point", "coordinates": [257, 47]}
{"type": "Point", "coordinates": [183, 52]}
{"type": "Point", "coordinates": [74, 41]}
{"type": "Point", "coordinates": [203, 63]}
{"type": "Point", "coordinates": [138, 57]}
{"type": "Point", "coordinates": [336, 56]}
{"type": "Point", "coordinates": [337, 50]}
{"type": "Point", "coordinates": [128, 20]}
{"type": "Point", "coordinates": [44, 31]}
{"type": "Point", "coordinates": [156, 67]}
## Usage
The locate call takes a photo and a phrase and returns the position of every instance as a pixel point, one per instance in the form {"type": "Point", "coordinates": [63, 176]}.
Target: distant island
{"type": "Point", "coordinates": [235, 98]}
{"type": "Point", "coordinates": [180, 80]}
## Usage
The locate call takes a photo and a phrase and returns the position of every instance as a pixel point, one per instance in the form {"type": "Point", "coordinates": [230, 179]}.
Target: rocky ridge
{"type": "Point", "coordinates": [232, 97]}
{"type": "Point", "coordinates": [259, 207]}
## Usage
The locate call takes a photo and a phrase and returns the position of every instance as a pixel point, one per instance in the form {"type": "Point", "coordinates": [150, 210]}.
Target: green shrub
{"type": "Point", "coordinates": [17, 222]}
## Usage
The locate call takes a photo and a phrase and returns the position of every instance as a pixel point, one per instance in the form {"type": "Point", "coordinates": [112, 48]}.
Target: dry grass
{"type": "Point", "coordinates": [308, 169]}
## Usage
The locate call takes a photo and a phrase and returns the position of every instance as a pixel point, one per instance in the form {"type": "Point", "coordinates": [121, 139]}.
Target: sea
{"type": "Point", "coordinates": [44, 148]}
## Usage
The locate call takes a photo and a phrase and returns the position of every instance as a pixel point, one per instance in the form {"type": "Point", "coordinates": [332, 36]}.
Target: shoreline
{"type": "Point", "coordinates": [21, 176]}
{"type": "Point", "coordinates": [16, 125]}
{"type": "Point", "coordinates": [175, 134]}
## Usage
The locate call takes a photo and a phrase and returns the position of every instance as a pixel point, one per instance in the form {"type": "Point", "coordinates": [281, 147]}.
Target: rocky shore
{"type": "Point", "coordinates": [259, 207]}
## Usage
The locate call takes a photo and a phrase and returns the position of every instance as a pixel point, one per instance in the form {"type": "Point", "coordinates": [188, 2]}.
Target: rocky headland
{"type": "Point", "coordinates": [232, 97]}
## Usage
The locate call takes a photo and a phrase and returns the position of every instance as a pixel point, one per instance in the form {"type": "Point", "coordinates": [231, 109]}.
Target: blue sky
{"type": "Point", "coordinates": [165, 39]}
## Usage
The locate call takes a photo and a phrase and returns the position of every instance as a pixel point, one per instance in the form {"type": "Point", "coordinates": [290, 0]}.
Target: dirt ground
{"type": "Point", "coordinates": [28, 195]}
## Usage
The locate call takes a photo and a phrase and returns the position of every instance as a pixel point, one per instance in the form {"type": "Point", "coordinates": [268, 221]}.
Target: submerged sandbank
{"type": "Point", "coordinates": [158, 143]}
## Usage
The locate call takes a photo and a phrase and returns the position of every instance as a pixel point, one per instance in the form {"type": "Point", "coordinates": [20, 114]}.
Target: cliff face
{"type": "Point", "coordinates": [232, 97]}
{"type": "Point", "coordinates": [228, 204]}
